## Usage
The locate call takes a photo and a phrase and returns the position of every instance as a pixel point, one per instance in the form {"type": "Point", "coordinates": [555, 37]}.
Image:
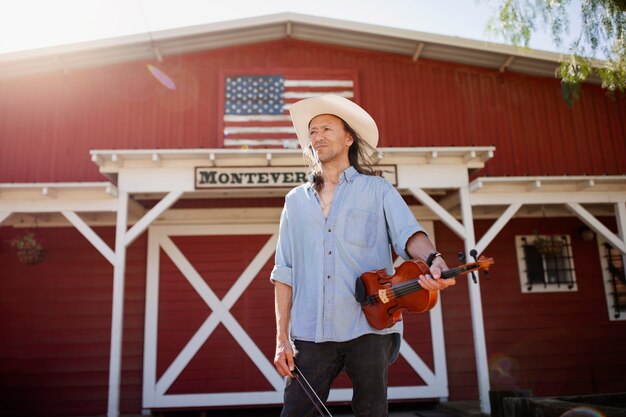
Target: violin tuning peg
{"type": "Point", "coordinates": [473, 277]}
{"type": "Point", "coordinates": [473, 254]}
{"type": "Point", "coordinates": [486, 272]}
{"type": "Point", "coordinates": [461, 256]}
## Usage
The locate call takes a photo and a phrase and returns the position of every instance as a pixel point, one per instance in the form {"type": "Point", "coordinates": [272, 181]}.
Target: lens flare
{"type": "Point", "coordinates": [162, 77]}
{"type": "Point", "coordinates": [583, 412]}
{"type": "Point", "coordinates": [503, 370]}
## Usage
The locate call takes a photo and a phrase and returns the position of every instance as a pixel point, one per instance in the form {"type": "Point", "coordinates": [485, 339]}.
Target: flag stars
{"type": "Point", "coordinates": [254, 95]}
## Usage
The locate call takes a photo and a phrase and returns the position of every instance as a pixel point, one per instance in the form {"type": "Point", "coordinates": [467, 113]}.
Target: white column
{"type": "Point", "coordinates": [620, 217]}
{"type": "Point", "coordinates": [478, 329]}
{"type": "Point", "coordinates": [117, 316]}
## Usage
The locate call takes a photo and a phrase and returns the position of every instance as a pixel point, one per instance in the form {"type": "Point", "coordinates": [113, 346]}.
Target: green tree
{"type": "Point", "coordinates": [603, 29]}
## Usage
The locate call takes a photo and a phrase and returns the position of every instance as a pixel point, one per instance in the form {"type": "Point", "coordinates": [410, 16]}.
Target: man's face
{"type": "Point", "coordinates": [329, 139]}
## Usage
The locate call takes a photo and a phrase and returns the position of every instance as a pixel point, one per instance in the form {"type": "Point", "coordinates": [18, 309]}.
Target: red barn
{"type": "Point", "coordinates": [157, 205]}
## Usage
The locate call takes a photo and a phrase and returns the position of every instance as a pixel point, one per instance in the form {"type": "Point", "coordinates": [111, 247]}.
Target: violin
{"type": "Point", "coordinates": [384, 298]}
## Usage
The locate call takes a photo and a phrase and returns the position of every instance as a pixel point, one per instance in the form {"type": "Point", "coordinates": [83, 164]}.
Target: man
{"type": "Point", "coordinates": [332, 229]}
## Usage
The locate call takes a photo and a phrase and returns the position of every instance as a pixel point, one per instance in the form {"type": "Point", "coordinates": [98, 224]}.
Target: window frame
{"type": "Point", "coordinates": [545, 287]}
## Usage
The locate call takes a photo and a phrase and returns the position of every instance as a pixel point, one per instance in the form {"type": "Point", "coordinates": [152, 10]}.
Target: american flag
{"type": "Point", "coordinates": [256, 107]}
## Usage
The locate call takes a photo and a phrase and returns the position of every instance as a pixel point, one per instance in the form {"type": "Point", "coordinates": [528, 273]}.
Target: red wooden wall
{"type": "Point", "coordinates": [55, 322]}
{"type": "Point", "coordinates": [48, 120]}
{"type": "Point", "coordinates": [55, 325]}
{"type": "Point", "coordinates": [552, 343]}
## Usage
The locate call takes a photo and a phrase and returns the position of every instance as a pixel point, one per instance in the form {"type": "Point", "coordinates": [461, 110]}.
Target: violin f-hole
{"type": "Point", "coordinates": [390, 310]}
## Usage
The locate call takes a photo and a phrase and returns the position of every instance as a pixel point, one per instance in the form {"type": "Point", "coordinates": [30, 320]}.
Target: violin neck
{"type": "Point", "coordinates": [408, 287]}
{"type": "Point", "coordinates": [464, 269]}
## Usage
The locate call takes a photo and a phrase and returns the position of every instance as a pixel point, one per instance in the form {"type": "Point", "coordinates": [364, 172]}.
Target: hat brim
{"type": "Point", "coordinates": [303, 111]}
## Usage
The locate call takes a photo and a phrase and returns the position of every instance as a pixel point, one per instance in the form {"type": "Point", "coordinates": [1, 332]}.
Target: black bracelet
{"type": "Point", "coordinates": [431, 258]}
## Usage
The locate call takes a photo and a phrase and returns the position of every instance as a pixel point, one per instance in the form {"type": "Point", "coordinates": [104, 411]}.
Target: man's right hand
{"type": "Point", "coordinates": [283, 360]}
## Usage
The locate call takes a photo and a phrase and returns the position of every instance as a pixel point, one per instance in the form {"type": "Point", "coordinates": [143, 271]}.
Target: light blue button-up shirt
{"type": "Point", "coordinates": [321, 258]}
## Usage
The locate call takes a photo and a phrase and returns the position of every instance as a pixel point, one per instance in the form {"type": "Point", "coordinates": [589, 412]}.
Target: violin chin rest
{"type": "Point", "coordinates": [359, 291]}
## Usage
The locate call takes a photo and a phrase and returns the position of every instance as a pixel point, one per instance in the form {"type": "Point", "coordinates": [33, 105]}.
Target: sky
{"type": "Point", "coordinates": [34, 24]}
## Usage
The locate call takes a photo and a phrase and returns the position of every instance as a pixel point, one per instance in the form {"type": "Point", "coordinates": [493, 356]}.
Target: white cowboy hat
{"type": "Point", "coordinates": [303, 111]}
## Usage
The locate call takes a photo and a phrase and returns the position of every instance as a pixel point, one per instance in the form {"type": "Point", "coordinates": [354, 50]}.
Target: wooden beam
{"type": "Point", "coordinates": [90, 235]}
{"type": "Point", "coordinates": [597, 226]}
{"type": "Point", "coordinates": [418, 51]}
{"type": "Point", "coordinates": [445, 217]}
{"type": "Point", "coordinates": [149, 217]}
{"type": "Point", "coordinates": [577, 197]}
{"type": "Point", "coordinates": [507, 63]}
{"type": "Point", "coordinates": [497, 227]}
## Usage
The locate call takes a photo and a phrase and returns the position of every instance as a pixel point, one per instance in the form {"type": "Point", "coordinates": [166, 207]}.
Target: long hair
{"type": "Point", "coordinates": [359, 155]}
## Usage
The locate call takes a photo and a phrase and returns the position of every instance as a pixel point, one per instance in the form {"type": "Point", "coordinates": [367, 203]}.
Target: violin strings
{"type": "Point", "coordinates": [409, 287]}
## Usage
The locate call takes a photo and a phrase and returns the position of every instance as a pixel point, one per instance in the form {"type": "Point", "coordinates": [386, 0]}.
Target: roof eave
{"type": "Point", "coordinates": [275, 27]}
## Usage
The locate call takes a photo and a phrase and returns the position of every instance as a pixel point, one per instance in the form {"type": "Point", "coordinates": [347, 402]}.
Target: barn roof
{"type": "Point", "coordinates": [157, 45]}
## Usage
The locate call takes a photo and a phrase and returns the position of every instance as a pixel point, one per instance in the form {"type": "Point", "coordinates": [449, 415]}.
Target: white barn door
{"type": "Point", "coordinates": [210, 331]}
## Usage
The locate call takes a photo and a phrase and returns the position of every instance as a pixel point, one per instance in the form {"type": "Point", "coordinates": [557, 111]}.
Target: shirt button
{"type": "Point", "coordinates": [330, 252]}
{"type": "Point", "coordinates": [329, 230]}
{"type": "Point", "coordinates": [328, 276]}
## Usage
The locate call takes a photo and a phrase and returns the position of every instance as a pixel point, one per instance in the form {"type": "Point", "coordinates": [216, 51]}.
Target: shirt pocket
{"type": "Point", "coordinates": [361, 228]}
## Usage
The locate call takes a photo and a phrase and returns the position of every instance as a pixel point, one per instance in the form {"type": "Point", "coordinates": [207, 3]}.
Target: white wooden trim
{"type": "Point", "coordinates": [4, 215]}
{"type": "Point", "coordinates": [446, 217]}
{"type": "Point", "coordinates": [478, 327]}
{"type": "Point", "coordinates": [219, 314]}
{"type": "Point", "coordinates": [154, 392]}
{"type": "Point", "coordinates": [217, 399]}
{"type": "Point", "coordinates": [151, 319]}
{"type": "Point", "coordinates": [43, 204]}
{"type": "Point", "coordinates": [597, 226]}
{"type": "Point", "coordinates": [497, 227]}
{"type": "Point", "coordinates": [117, 160]}
{"type": "Point", "coordinates": [436, 379]}
{"type": "Point", "coordinates": [620, 216]}
{"type": "Point", "coordinates": [439, 350]}
{"type": "Point", "coordinates": [90, 235]}
{"type": "Point", "coordinates": [150, 216]}
{"type": "Point", "coordinates": [417, 363]}
{"type": "Point", "coordinates": [537, 197]}
{"type": "Point", "coordinates": [117, 314]}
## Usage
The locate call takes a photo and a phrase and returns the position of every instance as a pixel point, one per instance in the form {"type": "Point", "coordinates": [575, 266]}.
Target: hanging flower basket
{"type": "Point", "coordinates": [30, 250]}
{"type": "Point", "coordinates": [549, 246]}
{"type": "Point", "coordinates": [31, 256]}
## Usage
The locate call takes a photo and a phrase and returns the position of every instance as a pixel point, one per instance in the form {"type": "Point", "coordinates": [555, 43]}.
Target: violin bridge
{"type": "Point", "coordinates": [382, 294]}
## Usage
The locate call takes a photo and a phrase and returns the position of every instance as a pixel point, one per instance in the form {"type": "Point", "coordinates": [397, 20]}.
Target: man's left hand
{"type": "Point", "coordinates": [433, 281]}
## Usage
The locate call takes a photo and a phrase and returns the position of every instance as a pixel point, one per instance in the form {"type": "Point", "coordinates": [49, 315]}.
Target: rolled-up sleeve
{"type": "Point", "coordinates": [401, 223]}
{"type": "Point", "coordinates": [283, 267]}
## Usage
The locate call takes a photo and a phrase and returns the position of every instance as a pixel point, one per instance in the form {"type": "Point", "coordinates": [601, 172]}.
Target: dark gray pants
{"type": "Point", "coordinates": [365, 359]}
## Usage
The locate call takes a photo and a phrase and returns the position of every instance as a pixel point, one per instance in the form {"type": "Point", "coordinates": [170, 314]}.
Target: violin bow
{"type": "Point", "coordinates": [310, 392]}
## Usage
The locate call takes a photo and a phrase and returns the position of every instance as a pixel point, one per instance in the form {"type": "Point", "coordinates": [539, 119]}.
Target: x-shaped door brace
{"type": "Point", "coordinates": [155, 391]}
{"type": "Point", "coordinates": [221, 313]}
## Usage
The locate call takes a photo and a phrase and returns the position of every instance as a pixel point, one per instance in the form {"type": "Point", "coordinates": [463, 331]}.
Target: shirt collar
{"type": "Point", "coordinates": [347, 175]}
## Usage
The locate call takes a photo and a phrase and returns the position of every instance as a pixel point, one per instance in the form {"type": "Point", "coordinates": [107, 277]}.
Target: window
{"type": "Point", "coordinates": [614, 280]}
{"type": "Point", "coordinates": [545, 263]}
